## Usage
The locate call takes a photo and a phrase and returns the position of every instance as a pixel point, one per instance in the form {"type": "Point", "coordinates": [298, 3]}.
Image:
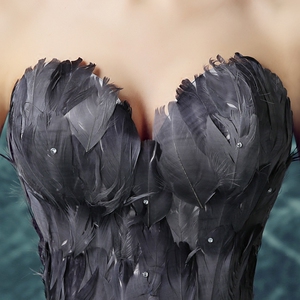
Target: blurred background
{"type": "Point", "coordinates": [278, 268]}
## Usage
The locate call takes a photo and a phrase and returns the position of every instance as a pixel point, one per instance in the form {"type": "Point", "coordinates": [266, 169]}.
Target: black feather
{"type": "Point", "coordinates": [236, 120]}
{"type": "Point", "coordinates": [153, 202]}
{"type": "Point", "coordinates": [180, 217]}
{"type": "Point", "coordinates": [184, 168]}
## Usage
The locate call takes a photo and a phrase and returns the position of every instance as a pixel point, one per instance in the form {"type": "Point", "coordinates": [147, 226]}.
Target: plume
{"type": "Point", "coordinates": [179, 217]}
{"type": "Point", "coordinates": [153, 201]}
{"type": "Point", "coordinates": [237, 123]}
{"type": "Point", "coordinates": [75, 148]}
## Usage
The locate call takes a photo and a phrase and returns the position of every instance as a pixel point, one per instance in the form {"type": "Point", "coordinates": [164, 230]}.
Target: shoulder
{"type": "Point", "coordinates": [279, 23]}
{"type": "Point", "coordinates": [279, 20]}
{"type": "Point", "coordinates": [29, 31]}
{"type": "Point", "coordinates": [15, 19]}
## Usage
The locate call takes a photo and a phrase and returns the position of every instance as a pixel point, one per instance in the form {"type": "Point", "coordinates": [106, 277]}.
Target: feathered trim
{"type": "Point", "coordinates": [180, 217]}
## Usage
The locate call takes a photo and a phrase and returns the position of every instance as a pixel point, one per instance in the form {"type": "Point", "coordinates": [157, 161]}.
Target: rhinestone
{"type": "Point", "coordinates": [145, 274]}
{"type": "Point", "coordinates": [146, 202]}
{"type": "Point", "coordinates": [231, 105]}
{"type": "Point", "coordinates": [270, 190]}
{"type": "Point", "coordinates": [53, 151]}
{"type": "Point", "coordinates": [210, 240]}
{"type": "Point", "coordinates": [239, 145]}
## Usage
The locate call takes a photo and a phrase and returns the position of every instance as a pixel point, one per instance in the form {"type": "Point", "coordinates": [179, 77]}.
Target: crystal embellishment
{"type": "Point", "coordinates": [145, 274]}
{"type": "Point", "coordinates": [53, 151]}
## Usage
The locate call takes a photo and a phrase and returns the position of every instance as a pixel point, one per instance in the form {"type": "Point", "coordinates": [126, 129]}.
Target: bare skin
{"type": "Point", "coordinates": [147, 47]}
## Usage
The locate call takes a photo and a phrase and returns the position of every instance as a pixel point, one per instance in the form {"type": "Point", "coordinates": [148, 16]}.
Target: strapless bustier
{"type": "Point", "coordinates": [177, 217]}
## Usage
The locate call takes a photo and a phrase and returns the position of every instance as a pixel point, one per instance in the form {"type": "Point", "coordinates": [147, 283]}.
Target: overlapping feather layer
{"type": "Point", "coordinates": [225, 147]}
{"type": "Point", "coordinates": [179, 217]}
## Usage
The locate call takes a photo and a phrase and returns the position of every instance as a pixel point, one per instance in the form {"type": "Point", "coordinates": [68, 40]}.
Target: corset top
{"type": "Point", "coordinates": [203, 187]}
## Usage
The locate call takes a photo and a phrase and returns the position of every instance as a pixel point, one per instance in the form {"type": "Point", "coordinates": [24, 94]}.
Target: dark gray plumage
{"type": "Point", "coordinates": [180, 217]}
{"type": "Point", "coordinates": [237, 121]}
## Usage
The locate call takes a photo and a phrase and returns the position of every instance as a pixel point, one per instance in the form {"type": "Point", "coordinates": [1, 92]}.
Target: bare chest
{"type": "Point", "coordinates": [144, 50]}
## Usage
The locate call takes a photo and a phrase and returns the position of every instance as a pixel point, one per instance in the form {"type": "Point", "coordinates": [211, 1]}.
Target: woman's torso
{"type": "Point", "coordinates": [147, 48]}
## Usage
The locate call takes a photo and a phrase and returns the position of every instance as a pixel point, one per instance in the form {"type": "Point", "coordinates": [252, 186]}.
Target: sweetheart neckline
{"type": "Point", "coordinates": [198, 194]}
{"type": "Point", "coordinates": [79, 64]}
{"type": "Point", "coordinates": [149, 135]}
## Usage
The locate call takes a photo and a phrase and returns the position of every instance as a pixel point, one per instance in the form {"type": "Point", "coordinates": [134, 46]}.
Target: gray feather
{"type": "Point", "coordinates": [180, 217]}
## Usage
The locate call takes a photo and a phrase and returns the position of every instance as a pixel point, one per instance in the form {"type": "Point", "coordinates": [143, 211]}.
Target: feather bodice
{"type": "Point", "coordinates": [177, 217]}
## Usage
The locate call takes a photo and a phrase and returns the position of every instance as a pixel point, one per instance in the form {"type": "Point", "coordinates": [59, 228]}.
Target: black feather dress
{"type": "Point", "coordinates": [177, 217]}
